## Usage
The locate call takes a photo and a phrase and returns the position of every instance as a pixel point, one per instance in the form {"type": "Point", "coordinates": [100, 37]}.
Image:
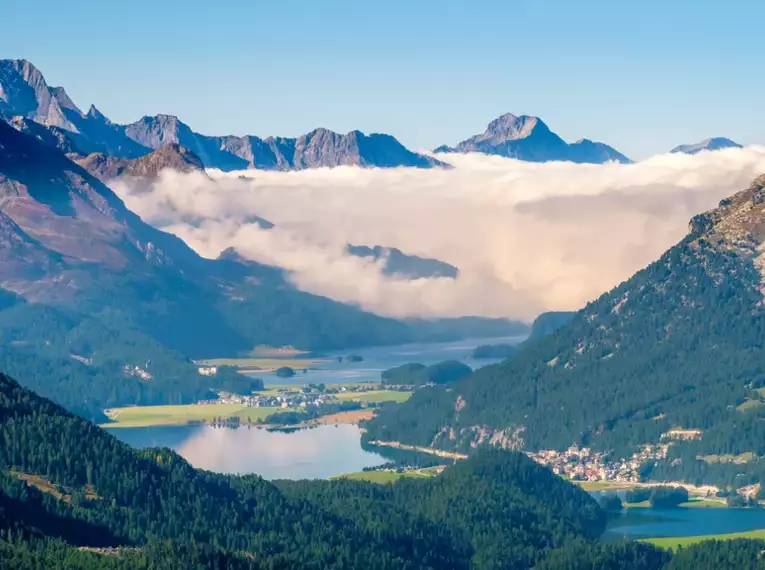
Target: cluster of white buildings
{"type": "Point", "coordinates": [142, 373]}
{"type": "Point", "coordinates": [282, 399]}
{"type": "Point", "coordinates": [584, 464]}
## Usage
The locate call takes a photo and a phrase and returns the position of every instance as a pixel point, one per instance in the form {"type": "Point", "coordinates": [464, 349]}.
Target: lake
{"type": "Point", "coordinates": [379, 358]}
{"type": "Point", "coordinates": [308, 453]}
{"type": "Point", "coordinates": [652, 523]}
{"type": "Point", "coordinates": [315, 453]}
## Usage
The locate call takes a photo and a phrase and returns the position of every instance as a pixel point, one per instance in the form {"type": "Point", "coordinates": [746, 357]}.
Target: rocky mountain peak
{"type": "Point", "coordinates": [714, 143]}
{"type": "Point", "coordinates": [96, 115]}
{"type": "Point", "coordinates": [528, 138]}
{"type": "Point", "coordinates": [23, 89]}
{"type": "Point", "coordinates": [64, 101]}
{"type": "Point", "coordinates": [156, 131]}
{"type": "Point", "coordinates": [511, 127]}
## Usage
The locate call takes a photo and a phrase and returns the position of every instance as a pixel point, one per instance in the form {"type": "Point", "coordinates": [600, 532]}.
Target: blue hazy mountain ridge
{"type": "Point", "coordinates": [400, 264]}
{"type": "Point", "coordinates": [714, 143]}
{"type": "Point", "coordinates": [25, 93]}
{"type": "Point", "coordinates": [530, 139]}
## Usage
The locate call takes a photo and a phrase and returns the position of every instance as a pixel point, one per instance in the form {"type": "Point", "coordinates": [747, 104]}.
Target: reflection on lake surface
{"type": "Point", "coordinates": [314, 453]}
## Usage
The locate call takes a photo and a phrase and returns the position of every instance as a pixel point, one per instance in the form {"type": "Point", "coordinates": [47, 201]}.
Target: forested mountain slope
{"type": "Point", "coordinates": [64, 481]}
{"type": "Point", "coordinates": [680, 344]}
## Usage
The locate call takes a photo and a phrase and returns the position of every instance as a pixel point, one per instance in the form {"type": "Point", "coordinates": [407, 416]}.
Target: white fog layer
{"type": "Point", "coordinates": [526, 237]}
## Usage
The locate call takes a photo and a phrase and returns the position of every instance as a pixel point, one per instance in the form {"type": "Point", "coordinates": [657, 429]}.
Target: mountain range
{"type": "Point", "coordinates": [529, 138]}
{"type": "Point", "coordinates": [24, 93]}
{"type": "Point", "coordinates": [680, 345]}
{"type": "Point", "coordinates": [50, 114]}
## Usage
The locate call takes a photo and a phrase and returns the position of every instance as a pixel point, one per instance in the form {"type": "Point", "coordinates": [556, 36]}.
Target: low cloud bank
{"type": "Point", "coordinates": [527, 237]}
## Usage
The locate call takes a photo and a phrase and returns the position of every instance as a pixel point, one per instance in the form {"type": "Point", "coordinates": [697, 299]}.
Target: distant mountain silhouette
{"type": "Point", "coordinates": [715, 143]}
{"type": "Point", "coordinates": [398, 263]}
{"type": "Point", "coordinates": [25, 94]}
{"type": "Point", "coordinates": [529, 138]}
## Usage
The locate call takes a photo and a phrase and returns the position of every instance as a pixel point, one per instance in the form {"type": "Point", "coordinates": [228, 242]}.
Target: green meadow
{"type": "Point", "coordinates": [683, 541]}
{"type": "Point", "coordinates": [375, 396]}
{"type": "Point", "coordinates": [143, 416]}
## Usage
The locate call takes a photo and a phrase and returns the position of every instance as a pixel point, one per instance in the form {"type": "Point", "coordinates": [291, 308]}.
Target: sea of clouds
{"type": "Point", "coordinates": [527, 237]}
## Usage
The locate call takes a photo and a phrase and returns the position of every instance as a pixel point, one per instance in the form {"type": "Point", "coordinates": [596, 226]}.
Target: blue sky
{"type": "Point", "coordinates": [642, 76]}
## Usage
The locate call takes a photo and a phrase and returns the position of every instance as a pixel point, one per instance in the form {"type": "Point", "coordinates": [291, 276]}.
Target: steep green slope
{"type": "Point", "coordinates": [64, 481]}
{"type": "Point", "coordinates": [523, 510]}
{"type": "Point", "coordinates": [679, 344]}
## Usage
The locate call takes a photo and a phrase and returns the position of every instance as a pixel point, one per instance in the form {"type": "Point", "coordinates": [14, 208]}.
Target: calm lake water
{"type": "Point", "coordinates": [644, 523]}
{"type": "Point", "coordinates": [312, 453]}
{"type": "Point", "coordinates": [650, 523]}
{"type": "Point", "coordinates": [379, 358]}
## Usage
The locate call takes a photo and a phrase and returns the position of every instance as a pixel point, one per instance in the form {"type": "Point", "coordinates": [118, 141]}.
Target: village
{"type": "Point", "coordinates": [291, 397]}
{"type": "Point", "coordinates": [584, 464]}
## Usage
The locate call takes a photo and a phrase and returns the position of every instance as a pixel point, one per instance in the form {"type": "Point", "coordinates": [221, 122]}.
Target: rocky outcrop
{"type": "Point", "coordinates": [173, 157]}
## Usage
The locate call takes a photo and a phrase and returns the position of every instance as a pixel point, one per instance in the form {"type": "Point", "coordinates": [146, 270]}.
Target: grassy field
{"type": "Point", "coordinates": [351, 417]}
{"type": "Point", "coordinates": [375, 396]}
{"type": "Point", "coordinates": [143, 416]}
{"type": "Point", "coordinates": [703, 504]}
{"type": "Point", "coordinates": [742, 458]}
{"type": "Point", "coordinates": [263, 351]}
{"type": "Point", "coordinates": [675, 541]}
{"type": "Point", "coordinates": [691, 504]}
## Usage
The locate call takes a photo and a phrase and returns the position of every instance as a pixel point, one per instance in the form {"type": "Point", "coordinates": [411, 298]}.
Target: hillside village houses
{"type": "Point", "coordinates": [583, 464]}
